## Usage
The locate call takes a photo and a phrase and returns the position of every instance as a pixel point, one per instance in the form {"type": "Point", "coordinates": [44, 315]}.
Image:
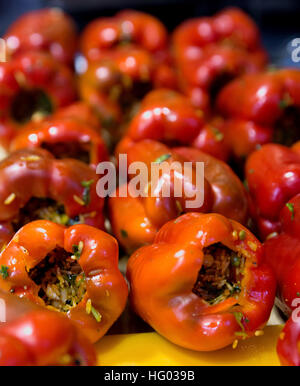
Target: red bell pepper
{"type": "Point", "coordinates": [49, 30]}
{"type": "Point", "coordinates": [63, 191]}
{"type": "Point", "coordinates": [273, 178]}
{"type": "Point", "coordinates": [288, 344]}
{"type": "Point", "coordinates": [223, 193]}
{"type": "Point", "coordinates": [72, 270]}
{"type": "Point", "coordinates": [44, 338]}
{"type": "Point", "coordinates": [32, 86]}
{"type": "Point", "coordinates": [64, 138]}
{"type": "Point", "coordinates": [202, 283]}
{"type": "Point", "coordinates": [261, 108]}
{"type": "Point", "coordinates": [282, 253]}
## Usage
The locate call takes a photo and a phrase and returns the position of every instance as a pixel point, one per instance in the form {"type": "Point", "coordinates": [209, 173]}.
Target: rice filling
{"type": "Point", "coordinates": [61, 280]}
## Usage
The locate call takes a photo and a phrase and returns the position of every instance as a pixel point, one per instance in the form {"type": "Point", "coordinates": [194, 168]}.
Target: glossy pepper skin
{"type": "Point", "coordinates": [49, 30]}
{"type": "Point", "coordinates": [32, 85]}
{"type": "Point", "coordinates": [281, 252]}
{"type": "Point", "coordinates": [288, 344]}
{"type": "Point", "coordinates": [64, 138]}
{"type": "Point", "coordinates": [223, 192]}
{"type": "Point", "coordinates": [45, 177]}
{"type": "Point", "coordinates": [53, 341]}
{"type": "Point", "coordinates": [80, 111]}
{"type": "Point", "coordinates": [166, 116]}
{"type": "Point", "coordinates": [106, 288]}
{"type": "Point", "coordinates": [165, 273]}
{"type": "Point", "coordinates": [209, 51]}
{"type": "Point", "coordinates": [115, 84]}
{"type": "Point", "coordinates": [273, 177]}
{"type": "Point", "coordinates": [261, 108]}
{"type": "Point", "coordinates": [141, 29]}
{"type": "Point", "coordinates": [211, 139]}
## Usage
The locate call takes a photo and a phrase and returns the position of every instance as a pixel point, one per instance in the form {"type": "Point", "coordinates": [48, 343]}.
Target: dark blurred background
{"type": "Point", "coordinates": [279, 20]}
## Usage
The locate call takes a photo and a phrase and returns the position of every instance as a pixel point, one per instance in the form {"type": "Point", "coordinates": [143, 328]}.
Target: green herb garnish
{"type": "Point", "coordinates": [162, 158]}
{"type": "Point", "coordinates": [235, 261]}
{"type": "Point", "coordinates": [290, 207]}
{"type": "Point", "coordinates": [86, 192]}
{"type": "Point", "coordinates": [217, 134]}
{"type": "Point", "coordinates": [77, 249]}
{"type": "Point", "coordinates": [4, 271]}
{"type": "Point", "coordinates": [239, 317]}
{"type": "Point", "coordinates": [124, 234]}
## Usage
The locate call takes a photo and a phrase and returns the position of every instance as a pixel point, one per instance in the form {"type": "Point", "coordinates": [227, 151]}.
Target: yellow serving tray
{"type": "Point", "coordinates": [150, 349]}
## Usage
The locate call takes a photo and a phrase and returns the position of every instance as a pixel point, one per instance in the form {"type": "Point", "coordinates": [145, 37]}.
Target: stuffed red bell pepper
{"type": "Point", "coordinates": [35, 185]}
{"type": "Point", "coordinates": [202, 283]}
{"type": "Point", "coordinates": [72, 270]}
{"type": "Point", "coordinates": [32, 86]}
{"type": "Point", "coordinates": [223, 193]}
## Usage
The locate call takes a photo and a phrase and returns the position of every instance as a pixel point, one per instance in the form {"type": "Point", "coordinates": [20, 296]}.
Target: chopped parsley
{"type": "Point", "coordinates": [290, 207]}
{"type": "Point", "coordinates": [162, 158]}
{"type": "Point", "coordinates": [86, 192]}
{"type": "Point", "coordinates": [217, 134]}
{"type": "Point", "coordinates": [124, 234]}
{"type": "Point", "coordinates": [235, 261]}
{"type": "Point", "coordinates": [4, 271]}
{"type": "Point", "coordinates": [77, 249]}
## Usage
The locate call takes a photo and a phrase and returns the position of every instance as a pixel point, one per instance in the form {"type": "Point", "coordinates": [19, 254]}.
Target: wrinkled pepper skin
{"type": "Point", "coordinates": [49, 30]}
{"type": "Point", "coordinates": [288, 344]}
{"type": "Point", "coordinates": [45, 177]}
{"type": "Point", "coordinates": [29, 73]}
{"type": "Point", "coordinates": [105, 286]}
{"type": "Point", "coordinates": [141, 29]}
{"type": "Point", "coordinates": [53, 341]}
{"type": "Point", "coordinates": [230, 197]}
{"type": "Point", "coordinates": [261, 108]}
{"type": "Point", "coordinates": [282, 253]}
{"type": "Point", "coordinates": [209, 51]}
{"type": "Point", "coordinates": [67, 137]}
{"type": "Point", "coordinates": [223, 193]}
{"type": "Point", "coordinates": [273, 177]}
{"type": "Point", "coordinates": [163, 274]}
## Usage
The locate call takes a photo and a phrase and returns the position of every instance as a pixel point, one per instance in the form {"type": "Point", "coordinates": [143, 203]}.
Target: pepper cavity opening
{"type": "Point", "coordinates": [71, 149]}
{"type": "Point", "coordinates": [220, 275]}
{"type": "Point", "coordinates": [40, 209]}
{"type": "Point", "coordinates": [218, 83]}
{"type": "Point", "coordinates": [29, 103]}
{"type": "Point", "coordinates": [286, 129]}
{"type": "Point", "coordinates": [61, 280]}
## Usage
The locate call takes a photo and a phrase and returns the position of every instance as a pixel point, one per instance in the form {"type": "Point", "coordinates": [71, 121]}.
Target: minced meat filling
{"type": "Point", "coordinates": [40, 208]}
{"type": "Point", "coordinates": [61, 280]}
{"type": "Point", "coordinates": [71, 149]}
{"type": "Point", "coordinates": [30, 102]}
{"type": "Point", "coordinates": [220, 275]}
